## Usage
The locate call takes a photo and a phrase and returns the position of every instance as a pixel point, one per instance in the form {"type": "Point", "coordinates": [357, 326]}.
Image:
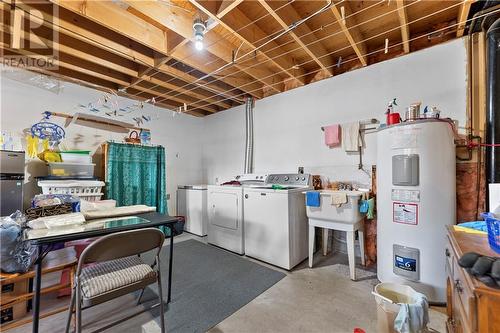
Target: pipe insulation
{"type": "Point", "coordinates": [249, 135]}
{"type": "Point", "coordinates": [493, 103]}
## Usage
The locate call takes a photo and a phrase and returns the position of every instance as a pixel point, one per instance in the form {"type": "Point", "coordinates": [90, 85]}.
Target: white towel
{"type": "Point", "coordinates": [351, 140]}
{"type": "Point", "coordinates": [338, 198]}
{"type": "Point", "coordinates": [56, 221]}
{"type": "Point", "coordinates": [118, 211]}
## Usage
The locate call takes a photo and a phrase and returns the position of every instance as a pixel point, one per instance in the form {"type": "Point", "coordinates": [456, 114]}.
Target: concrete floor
{"type": "Point", "coordinates": [321, 299]}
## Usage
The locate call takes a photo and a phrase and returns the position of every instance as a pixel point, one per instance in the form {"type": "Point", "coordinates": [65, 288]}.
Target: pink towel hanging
{"type": "Point", "coordinates": [332, 135]}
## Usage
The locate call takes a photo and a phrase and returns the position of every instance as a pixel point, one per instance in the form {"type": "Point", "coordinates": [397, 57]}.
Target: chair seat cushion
{"type": "Point", "coordinates": [114, 274]}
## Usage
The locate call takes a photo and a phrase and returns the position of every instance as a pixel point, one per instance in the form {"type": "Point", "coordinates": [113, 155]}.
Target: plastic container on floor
{"type": "Point", "coordinates": [389, 297]}
{"type": "Point", "coordinates": [77, 170]}
{"type": "Point", "coordinates": [90, 190]}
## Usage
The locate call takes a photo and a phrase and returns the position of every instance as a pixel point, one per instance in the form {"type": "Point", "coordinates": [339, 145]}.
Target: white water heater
{"type": "Point", "coordinates": [416, 200]}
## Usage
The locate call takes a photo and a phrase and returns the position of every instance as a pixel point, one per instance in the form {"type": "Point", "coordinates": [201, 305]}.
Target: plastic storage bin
{"type": "Point", "coordinates": [82, 157]}
{"type": "Point", "coordinates": [389, 297]}
{"type": "Point", "coordinates": [90, 190]}
{"type": "Point", "coordinates": [493, 226]}
{"type": "Point", "coordinates": [76, 170]}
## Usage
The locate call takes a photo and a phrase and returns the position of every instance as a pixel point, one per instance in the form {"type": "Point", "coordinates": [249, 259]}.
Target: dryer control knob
{"type": "Point", "coordinates": [286, 178]}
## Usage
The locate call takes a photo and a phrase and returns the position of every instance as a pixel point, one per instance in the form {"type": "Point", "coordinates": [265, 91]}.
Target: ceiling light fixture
{"type": "Point", "coordinates": [199, 28]}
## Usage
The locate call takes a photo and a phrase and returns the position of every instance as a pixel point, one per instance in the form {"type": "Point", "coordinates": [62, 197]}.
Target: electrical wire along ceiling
{"type": "Point", "coordinates": [204, 56]}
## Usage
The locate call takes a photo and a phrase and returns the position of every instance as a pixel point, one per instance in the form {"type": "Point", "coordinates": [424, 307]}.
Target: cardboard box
{"type": "Point", "coordinates": [11, 290]}
{"type": "Point", "coordinates": [14, 312]}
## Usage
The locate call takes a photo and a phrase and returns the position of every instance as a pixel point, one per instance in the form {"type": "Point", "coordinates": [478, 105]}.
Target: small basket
{"type": "Point", "coordinates": [90, 190]}
{"type": "Point", "coordinates": [133, 138]}
{"type": "Point", "coordinates": [493, 226]}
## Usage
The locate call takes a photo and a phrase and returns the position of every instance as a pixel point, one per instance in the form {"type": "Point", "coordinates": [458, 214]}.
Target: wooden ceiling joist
{"type": "Point", "coordinates": [463, 13]}
{"type": "Point", "coordinates": [182, 23]}
{"type": "Point", "coordinates": [80, 35]}
{"type": "Point", "coordinates": [108, 14]}
{"type": "Point", "coordinates": [158, 61]}
{"type": "Point", "coordinates": [403, 22]}
{"type": "Point", "coordinates": [208, 85]}
{"type": "Point", "coordinates": [351, 31]}
{"type": "Point", "coordinates": [227, 6]}
{"type": "Point", "coordinates": [323, 62]}
{"type": "Point", "coordinates": [101, 73]}
{"type": "Point", "coordinates": [272, 52]}
{"type": "Point", "coordinates": [103, 61]}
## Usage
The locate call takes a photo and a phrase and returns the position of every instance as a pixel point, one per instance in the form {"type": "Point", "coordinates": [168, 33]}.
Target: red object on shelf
{"type": "Point", "coordinates": [358, 330]}
{"type": "Point", "coordinates": [393, 118]}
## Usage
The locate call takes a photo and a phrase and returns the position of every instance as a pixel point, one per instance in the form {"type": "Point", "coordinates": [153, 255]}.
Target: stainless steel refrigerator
{"type": "Point", "coordinates": [11, 181]}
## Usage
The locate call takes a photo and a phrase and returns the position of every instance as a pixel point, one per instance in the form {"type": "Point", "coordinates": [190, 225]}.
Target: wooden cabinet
{"type": "Point", "coordinates": [472, 306]}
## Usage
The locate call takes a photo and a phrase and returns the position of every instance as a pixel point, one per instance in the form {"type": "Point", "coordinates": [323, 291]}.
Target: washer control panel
{"type": "Point", "coordinates": [290, 179]}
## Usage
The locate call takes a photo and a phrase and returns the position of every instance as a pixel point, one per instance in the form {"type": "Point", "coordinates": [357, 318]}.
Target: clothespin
{"type": "Point", "coordinates": [386, 45]}
{"type": "Point", "coordinates": [339, 62]}
{"type": "Point", "coordinates": [342, 14]}
{"type": "Point", "coordinates": [185, 107]}
{"type": "Point", "coordinates": [233, 56]}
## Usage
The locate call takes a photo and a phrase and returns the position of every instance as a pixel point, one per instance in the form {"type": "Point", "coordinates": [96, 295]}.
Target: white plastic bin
{"type": "Point", "coordinates": [90, 190]}
{"type": "Point", "coordinates": [387, 296]}
{"type": "Point", "coordinates": [76, 158]}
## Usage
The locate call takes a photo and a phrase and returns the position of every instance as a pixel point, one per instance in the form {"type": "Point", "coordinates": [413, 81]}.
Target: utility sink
{"type": "Point", "coordinates": [346, 213]}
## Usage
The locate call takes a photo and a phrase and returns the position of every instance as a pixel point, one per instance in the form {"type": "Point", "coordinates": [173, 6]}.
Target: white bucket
{"type": "Point", "coordinates": [389, 296]}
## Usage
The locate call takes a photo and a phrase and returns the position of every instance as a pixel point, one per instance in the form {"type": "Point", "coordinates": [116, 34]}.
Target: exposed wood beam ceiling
{"type": "Point", "coordinates": [144, 48]}
{"type": "Point", "coordinates": [462, 16]}
{"type": "Point", "coordinates": [403, 21]}
{"type": "Point", "coordinates": [352, 32]}
{"type": "Point", "coordinates": [294, 17]}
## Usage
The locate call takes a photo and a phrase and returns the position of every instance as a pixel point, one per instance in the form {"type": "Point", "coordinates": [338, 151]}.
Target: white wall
{"type": "Point", "coordinates": [22, 105]}
{"type": "Point", "coordinates": [287, 126]}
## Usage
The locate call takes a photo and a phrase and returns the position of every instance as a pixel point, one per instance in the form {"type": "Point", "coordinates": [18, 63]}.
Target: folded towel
{"type": "Point", "coordinates": [351, 139]}
{"type": "Point", "coordinates": [338, 198]}
{"type": "Point", "coordinates": [332, 135]}
{"type": "Point", "coordinates": [414, 317]}
{"type": "Point", "coordinates": [371, 209]}
{"type": "Point", "coordinates": [56, 221]}
{"type": "Point", "coordinates": [118, 211]}
{"type": "Point", "coordinates": [312, 199]}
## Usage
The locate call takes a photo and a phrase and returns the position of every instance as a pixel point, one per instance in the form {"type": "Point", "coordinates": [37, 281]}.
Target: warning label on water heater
{"type": "Point", "coordinates": [405, 213]}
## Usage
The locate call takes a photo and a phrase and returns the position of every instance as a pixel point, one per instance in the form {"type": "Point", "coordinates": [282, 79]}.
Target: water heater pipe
{"type": "Point", "coordinates": [249, 135]}
{"type": "Point", "coordinates": [493, 104]}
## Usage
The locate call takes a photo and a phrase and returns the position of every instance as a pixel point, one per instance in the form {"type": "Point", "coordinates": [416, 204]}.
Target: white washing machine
{"type": "Point", "coordinates": [276, 226]}
{"type": "Point", "coordinates": [225, 212]}
{"type": "Point", "coordinates": [192, 204]}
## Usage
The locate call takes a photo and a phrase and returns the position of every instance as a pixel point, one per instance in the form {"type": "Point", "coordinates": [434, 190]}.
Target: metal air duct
{"type": "Point", "coordinates": [249, 136]}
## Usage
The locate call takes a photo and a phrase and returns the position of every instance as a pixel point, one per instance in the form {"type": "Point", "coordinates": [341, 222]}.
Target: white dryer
{"type": "Point", "coordinates": [225, 212]}
{"type": "Point", "coordinates": [276, 226]}
{"type": "Point", "coordinates": [192, 204]}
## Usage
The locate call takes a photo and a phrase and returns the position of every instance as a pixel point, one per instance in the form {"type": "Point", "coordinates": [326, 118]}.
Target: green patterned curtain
{"type": "Point", "coordinates": [136, 175]}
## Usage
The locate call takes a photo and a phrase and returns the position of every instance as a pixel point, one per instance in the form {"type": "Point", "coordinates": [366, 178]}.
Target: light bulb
{"type": "Point", "coordinates": [198, 45]}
